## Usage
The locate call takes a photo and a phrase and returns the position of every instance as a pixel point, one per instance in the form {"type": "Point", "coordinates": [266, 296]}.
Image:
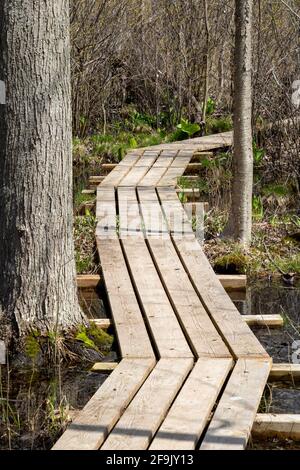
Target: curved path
{"type": "Point", "coordinates": [192, 373]}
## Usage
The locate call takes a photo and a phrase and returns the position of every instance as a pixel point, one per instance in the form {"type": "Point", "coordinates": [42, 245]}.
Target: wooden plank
{"type": "Point", "coordinates": [106, 214]}
{"type": "Point", "coordinates": [130, 222]}
{"type": "Point", "coordinates": [190, 324]}
{"type": "Point", "coordinates": [177, 219]}
{"type": "Point", "coordinates": [104, 367]}
{"type": "Point", "coordinates": [271, 321]}
{"type": "Point", "coordinates": [88, 281]}
{"type": "Point", "coordinates": [204, 339]}
{"type": "Point", "coordinates": [103, 323]}
{"type": "Point", "coordinates": [140, 169]}
{"type": "Point", "coordinates": [284, 426]}
{"type": "Point", "coordinates": [109, 166]}
{"type": "Point", "coordinates": [289, 372]}
{"type": "Point", "coordinates": [233, 419]}
{"type": "Point", "coordinates": [96, 179]}
{"type": "Point", "coordinates": [100, 414]}
{"type": "Point", "coordinates": [88, 191]}
{"type": "Point", "coordinates": [121, 170]}
{"type": "Point", "coordinates": [230, 282]}
{"type": "Point", "coordinates": [188, 416]}
{"type": "Point", "coordinates": [236, 333]}
{"type": "Point", "coordinates": [153, 217]}
{"type": "Point", "coordinates": [131, 331]}
{"type": "Point", "coordinates": [166, 331]}
{"type": "Point", "coordinates": [199, 144]}
{"type": "Point", "coordinates": [142, 418]}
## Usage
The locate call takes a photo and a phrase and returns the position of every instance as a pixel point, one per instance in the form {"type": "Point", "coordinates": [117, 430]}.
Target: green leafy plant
{"type": "Point", "coordinates": [188, 128]}
{"type": "Point", "coordinates": [257, 208]}
{"type": "Point", "coordinates": [210, 106]}
{"type": "Point", "coordinates": [258, 154]}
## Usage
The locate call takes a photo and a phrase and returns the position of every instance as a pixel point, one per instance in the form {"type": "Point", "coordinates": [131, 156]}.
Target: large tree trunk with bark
{"type": "Point", "coordinates": [240, 222]}
{"type": "Point", "coordinates": [37, 275]}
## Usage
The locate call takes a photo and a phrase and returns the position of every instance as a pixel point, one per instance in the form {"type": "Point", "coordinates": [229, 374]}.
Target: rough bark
{"type": "Point", "coordinates": [240, 222]}
{"type": "Point", "coordinates": [37, 275]}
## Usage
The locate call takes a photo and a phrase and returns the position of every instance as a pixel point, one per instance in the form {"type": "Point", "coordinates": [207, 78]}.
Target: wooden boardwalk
{"type": "Point", "coordinates": [192, 373]}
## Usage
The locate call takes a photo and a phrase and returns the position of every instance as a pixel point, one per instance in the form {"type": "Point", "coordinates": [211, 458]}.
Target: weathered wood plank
{"type": "Point", "coordinates": [188, 416]}
{"type": "Point", "coordinates": [230, 282]}
{"type": "Point", "coordinates": [131, 331]}
{"type": "Point", "coordinates": [284, 426]}
{"type": "Point", "coordinates": [177, 219]}
{"type": "Point", "coordinates": [165, 328]}
{"type": "Point", "coordinates": [89, 430]}
{"type": "Point", "coordinates": [142, 418]}
{"type": "Point", "coordinates": [104, 367]}
{"type": "Point", "coordinates": [233, 419]}
{"type": "Point", "coordinates": [153, 217]}
{"type": "Point", "coordinates": [130, 222]}
{"type": "Point", "coordinates": [271, 321]}
{"type": "Point", "coordinates": [289, 372]}
{"type": "Point", "coordinates": [106, 213]}
{"type": "Point", "coordinates": [88, 281]}
{"type": "Point", "coordinates": [203, 337]}
{"type": "Point", "coordinates": [103, 323]}
{"type": "Point", "coordinates": [236, 333]}
{"type": "Point", "coordinates": [139, 170]}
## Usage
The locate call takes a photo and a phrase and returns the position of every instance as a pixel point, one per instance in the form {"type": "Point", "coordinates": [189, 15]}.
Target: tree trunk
{"type": "Point", "coordinates": [37, 275]}
{"type": "Point", "coordinates": [240, 222]}
{"type": "Point", "coordinates": [206, 70]}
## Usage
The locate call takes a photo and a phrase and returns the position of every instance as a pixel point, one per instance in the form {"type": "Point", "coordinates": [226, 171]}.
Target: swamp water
{"type": "Point", "coordinates": [35, 405]}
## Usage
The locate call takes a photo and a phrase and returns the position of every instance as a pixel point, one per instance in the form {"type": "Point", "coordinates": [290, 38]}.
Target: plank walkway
{"type": "Point", "coordinates": [192, 373]}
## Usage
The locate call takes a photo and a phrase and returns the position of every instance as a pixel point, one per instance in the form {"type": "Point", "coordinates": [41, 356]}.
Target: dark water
{"type": "Point", "coordinates": [34, 405]}
{"type": "Point", "coordinates": [265, 298]}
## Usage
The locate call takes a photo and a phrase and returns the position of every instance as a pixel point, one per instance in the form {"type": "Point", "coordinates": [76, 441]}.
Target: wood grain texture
{"type": "Point", "coordinates": [188, 416]}
{"type": "Point", "coordinates": [142, 418]}
{"type": "Point", "coordinates": [131, 331]}
{"type": "Point", "coordinates": [233, 419]}
{"type": "Point", "coordinates": [236, 333]}
{"type": "Point", "coordinates": [284, 426]}
{"type": "Point", "coordinates": [271, 321]}
{"type": "Point", "coordinates": [203, 337]}
{"type": "Point", "coordinates": [100, 414]}
{"type": "Point", "coordinates": [166, 331]}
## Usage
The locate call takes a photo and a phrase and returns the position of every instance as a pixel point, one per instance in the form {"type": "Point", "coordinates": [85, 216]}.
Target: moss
{"type": "Point", "coordinates": [95, 338]}
{"type": "Point", "coordinates": [232, 263]}
{"type": "Point", "coordinates": [32, 346]}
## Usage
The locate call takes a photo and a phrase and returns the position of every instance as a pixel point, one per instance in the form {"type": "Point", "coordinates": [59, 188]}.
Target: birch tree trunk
{"type": "Point", "coordinates": [240, 222]}
{"type": "Point", "coordinates": [37, 275]}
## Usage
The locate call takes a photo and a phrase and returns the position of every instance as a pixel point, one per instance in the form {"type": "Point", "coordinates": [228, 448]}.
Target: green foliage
{"type": "Point", "coordinates": [274, 189]}
{"type": "Point", "coordinates": [215, 125]}
{"type": "Point", "coordinates": [210, 106]}
{"type": "Point", "coordinates": [188, 128]}
{"type": "Point", "coordinates": [32, 347]}
{"type": "Point", "coordinates": [258, 155]}
{"type": "Point", "coordinates": [232, 263]}
{"type": "Point", "coordinates": [94, 338]}
{"type": "Point", "coordinates": [290, 264]}
{"type": "Point", "coordinates": [84, 237]}
{"type": "Point", "coordinates": [257, 208]}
